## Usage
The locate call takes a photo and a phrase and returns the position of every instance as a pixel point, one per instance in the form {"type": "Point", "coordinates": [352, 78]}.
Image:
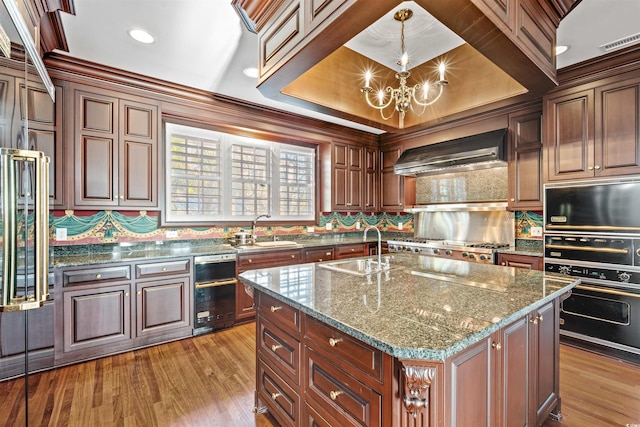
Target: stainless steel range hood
{"type": "Point", "coordinates": [481, 151]}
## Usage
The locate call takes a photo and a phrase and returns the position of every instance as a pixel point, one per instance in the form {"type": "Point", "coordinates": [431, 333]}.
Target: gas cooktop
{"type": "Point", "coordinates": [467, 251]}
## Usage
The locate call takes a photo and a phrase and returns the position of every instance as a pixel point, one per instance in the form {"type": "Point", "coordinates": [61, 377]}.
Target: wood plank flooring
{"type": "Point", "coordinates": [209, 381]}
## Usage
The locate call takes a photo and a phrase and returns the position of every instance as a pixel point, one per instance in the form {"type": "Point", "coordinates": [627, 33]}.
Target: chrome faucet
{"type": "Point", "coordinates": [253, 228]}
{"type": "Point", "coordinates": [364, 239]}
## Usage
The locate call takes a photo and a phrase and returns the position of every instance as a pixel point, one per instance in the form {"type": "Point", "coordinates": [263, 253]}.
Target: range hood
{"type": "Point", "coordinates": [481, 151]}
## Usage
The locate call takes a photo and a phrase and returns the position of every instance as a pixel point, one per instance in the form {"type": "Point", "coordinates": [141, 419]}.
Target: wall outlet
{"type": "Point", "coordinates": [311, 229]}
{"type": "Point", "coordinates": [358, 225]}
{"type": "Point", "coordinates": [399, 226]}
{"type": "Point", "coordinates": [171, 234]}
{"type": "Point", "coordinates": [536, 231]}
{"type": "Point", "coordinates": [328, 227]}
{"type": "Point", "coordinates": [61, 234]}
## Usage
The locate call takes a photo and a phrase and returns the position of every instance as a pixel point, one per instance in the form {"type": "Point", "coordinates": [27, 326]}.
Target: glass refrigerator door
{"type": "Point", "coordinates": [26, 312]}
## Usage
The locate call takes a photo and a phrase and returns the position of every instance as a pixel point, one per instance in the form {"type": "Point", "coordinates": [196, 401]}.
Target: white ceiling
{"type": "Point", "coordinates": [202, 43]}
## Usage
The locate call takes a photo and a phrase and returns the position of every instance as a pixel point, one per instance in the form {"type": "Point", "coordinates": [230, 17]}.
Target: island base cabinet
{"type": "Point", "coordinates": [282, 401]}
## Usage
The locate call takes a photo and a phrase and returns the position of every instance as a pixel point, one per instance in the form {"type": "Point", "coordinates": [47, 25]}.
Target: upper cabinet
{"type": "Point", "coordinates": [396, 191]}
{"type": "Point", "coordinates": [525, 160]}
{"type": "Point", "coordinates": [115, 151]}
{"type": "Point", "coordinates": [593, 131]}
{"type": "Point", "coordinates": [347, 182]}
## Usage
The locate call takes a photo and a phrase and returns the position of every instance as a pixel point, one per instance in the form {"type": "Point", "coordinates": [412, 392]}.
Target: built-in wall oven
{"type": "Point", "coordinates": [215, 292]}
{"type": "Point", "coordinates": [592, 231]}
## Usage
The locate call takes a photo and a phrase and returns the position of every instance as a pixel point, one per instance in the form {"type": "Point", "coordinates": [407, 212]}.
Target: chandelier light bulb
{"type": "Point", "coordinates": [425, 90]}
{"type": "Point", "coordinates": [367, 78]}
{"type": "Point", "coordinates": [380, 96]}
{"type": "Point", "coordinates": [441, 69]}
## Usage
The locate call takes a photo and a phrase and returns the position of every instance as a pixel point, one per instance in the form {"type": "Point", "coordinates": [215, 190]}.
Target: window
{"type": "Point", "coordinates": [212, 176]}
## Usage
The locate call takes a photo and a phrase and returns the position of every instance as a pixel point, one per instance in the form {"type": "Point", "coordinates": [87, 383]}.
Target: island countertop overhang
{"type": "Point", "coordinates": [427, 308]}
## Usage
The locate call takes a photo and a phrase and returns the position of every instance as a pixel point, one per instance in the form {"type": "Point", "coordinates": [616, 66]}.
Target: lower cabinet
{"type": "Point", "coordinates": [311, 374]}
{"type": "Point", "coordinates": [103, 310]}
{"type": "Point", "coordinates": [352, 250]}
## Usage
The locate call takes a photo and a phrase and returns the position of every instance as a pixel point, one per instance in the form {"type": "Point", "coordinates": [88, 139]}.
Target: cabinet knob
{"type": "Point", "coordinates": [121, 197]}
{"type": "Point", "coordinates": [328, 254]}
{"type": "Point", "coordinates": [275, 308]}
{"type": "Point", "coordinates": [250, 260]}
{"type": "Point", "coordinates": [274, 396]}
{"type": "Point", "coordinates": [293, 256]}
{"type": "Point", "coordinates": [353, 250]}
{"type": "Point", "coordinates": [504, 263]}
{"type": "Point", "coordinates": [319, 259]}
{"type": "Point", "coordinates": [98, 276]}
{"type": "Point", "coordinates": [333, 394]}
{"type": "Point", "coordinates": [164, 268]}
{"type": "Point", "coordinates": [334, 341]}
{"type": "Point", "coordinates": [126, 294]}
{"type": "Point", "coordinates": [139, 292]}
{"type": "Point", "coordinates": [590, 168]}
{"type": "Point", "coordinates": [596, 167]}
{"type": "Point", "coordinates": [513, 200]}
{"type": "Point", "coordinates": [275, 347]}
{"type": "Point", "coordinates": [496, 345]}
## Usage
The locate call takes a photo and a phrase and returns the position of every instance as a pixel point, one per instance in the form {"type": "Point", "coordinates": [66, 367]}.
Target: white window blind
{"type": "Point", "coordinates": [212, 176]}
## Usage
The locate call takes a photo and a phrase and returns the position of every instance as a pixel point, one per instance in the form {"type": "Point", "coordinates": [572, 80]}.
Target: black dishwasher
{"type": "Point", "coordinates": [215, 292]}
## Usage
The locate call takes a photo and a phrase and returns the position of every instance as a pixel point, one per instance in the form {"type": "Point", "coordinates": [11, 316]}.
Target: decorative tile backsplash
{"type": "Point", "coordinates": [85, 227]}
{"type": "Point", "coordinates": [525, 220]}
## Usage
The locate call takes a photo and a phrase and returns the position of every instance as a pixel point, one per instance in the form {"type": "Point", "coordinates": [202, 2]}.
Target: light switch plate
{"type": "Point", "coordinates": [328, 227]}
{"type": "Point", "coordinates": [171, 233]}
{"type": "Point", "coordinates": [399, 226]}
{"type": "Point", "coordinates": [311, 229]}
{"type": "Point", "coordinates": [61, 234]}
{"type": "Point", "coordinates": [358, 225]}
{"type": "Point", "coordinates": [536, 231]}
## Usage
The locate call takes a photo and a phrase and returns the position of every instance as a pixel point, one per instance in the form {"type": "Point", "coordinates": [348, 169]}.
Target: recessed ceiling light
{"type": "Point", "coordinates": [142, 36]}
{"type": "Point", "coordinates": [560, 49]}
{"type": "Point", "coordinates": [251, 72]}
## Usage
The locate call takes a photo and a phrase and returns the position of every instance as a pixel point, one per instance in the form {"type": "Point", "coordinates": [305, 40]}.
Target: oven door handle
{"type": "Point", "coordinates": [607, 291]}
{"type": "Point", "coordinates": [588, 249]}
{"type": "Point", "coordinates": [200, 285]}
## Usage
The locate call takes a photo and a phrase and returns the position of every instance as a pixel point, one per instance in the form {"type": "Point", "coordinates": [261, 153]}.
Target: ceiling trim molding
{"type": "Point", "coordinates": [609, 65]}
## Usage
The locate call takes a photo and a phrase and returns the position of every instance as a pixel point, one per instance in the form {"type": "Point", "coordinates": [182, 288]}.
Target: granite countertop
{"type": "Point", "coordinates": [425, 308]}
{"type": "Point", "coordinates": [68, 256]}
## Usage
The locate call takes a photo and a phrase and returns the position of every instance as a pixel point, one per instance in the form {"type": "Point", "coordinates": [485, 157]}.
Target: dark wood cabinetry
{"type": "Point", "coordinates": [352, 250]}
{"type": "Point", "coordinates": [371, 176]}
{"type": "Point", "coordinates": [96, 313]}
{"type": "Point", "coordinates": [525, 160]}
{"type": "Point", "coordinates": [529, 262]}
{"type": "Point", "coordinates": [347, 183]}
{"type": "Point", "coordinates": [115, 151]}
{"type": "Point", "coordinates": [396, 191]}
{"type": "Point", "coordinates": [324, 253]}
{"type": "Point", "coordinates": [245, 308]}
{"type": "Point", "coordinates": [593, 131]}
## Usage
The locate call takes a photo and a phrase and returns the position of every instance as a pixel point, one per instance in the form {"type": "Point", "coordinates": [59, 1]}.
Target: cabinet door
{"type": "Point", "coordinates": [95, 150]}
{"type": "Point", "coordinates": [138, 179]}
{"type": "Point", "coordinates": [569, 136]}
{"type": "Point", "coordinates": [396, 191]}
{"type": "Point", "coordinates": [544, 369]}
{"type": "Point", "coordinates": [371, 180]}
{"type": "Point", "coordinates": [162, 305]}
{"type": "Point", "coordinates": [318, 254]}
{"type": "Point", "coordinates": [340, 184]}
{"type": "Point", "coordinates": [96, 318]}
{"type": "Point", "coordinates": [513, 353]}
{"type": "Point", "coordinates": [355, 182]}
{"type": "Point", "coordinates": [617, 129]}
{"type": "Point", "coordinates": [472, 374]}
{"type": "Point", "coordinates": [525, 161]}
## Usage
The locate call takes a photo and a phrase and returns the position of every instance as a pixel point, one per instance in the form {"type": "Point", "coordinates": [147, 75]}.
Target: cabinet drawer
{"type": "Point", "coordinates": [96, 275]}
{"type": "Point", "coordinates": [154, 269]}
{"type": "Point", "coordinates": [353, 250]}
{"type": "Point", "coordinates": [311, 418]}
{"type": "Point", "coordinates": [282, 401]}
{"type": "Point", "coordinates": [335, 394]}
{"type": "Point", "coordinates": [318, 254]}
{"type": "Point", "coordinates": [351, 353]}
{"type": "Point", "coordinates": [269, 259]}
{"type": "Point", "coordinates": [282, 349]}
{"type": "Point", "coordinates": [280, 314]}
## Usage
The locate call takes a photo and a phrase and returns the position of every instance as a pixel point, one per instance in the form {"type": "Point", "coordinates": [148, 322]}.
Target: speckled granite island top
{"type": "Point", "coordinates": [425, 308]}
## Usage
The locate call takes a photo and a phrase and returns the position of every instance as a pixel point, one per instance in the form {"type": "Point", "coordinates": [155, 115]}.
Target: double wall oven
{"type": "Point", "coordinates": [592, 231]}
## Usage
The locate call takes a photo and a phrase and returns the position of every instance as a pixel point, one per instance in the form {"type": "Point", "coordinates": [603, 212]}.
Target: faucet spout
{"type": "Point", "coordinates": [253, 227]}
{"type": "Point", "coordinates": [364, 239]}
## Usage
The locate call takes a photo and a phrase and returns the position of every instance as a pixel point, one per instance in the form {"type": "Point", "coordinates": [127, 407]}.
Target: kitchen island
{"type": "Point", "coordinates": [429, 342]}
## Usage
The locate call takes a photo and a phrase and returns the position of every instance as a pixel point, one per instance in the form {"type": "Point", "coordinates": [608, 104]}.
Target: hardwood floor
{"type": "Point", "coordinates": [209, 381]}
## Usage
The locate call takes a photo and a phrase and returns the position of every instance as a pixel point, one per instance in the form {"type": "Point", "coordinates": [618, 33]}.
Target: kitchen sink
{"type": "Point", "coordinates": [357, 267]}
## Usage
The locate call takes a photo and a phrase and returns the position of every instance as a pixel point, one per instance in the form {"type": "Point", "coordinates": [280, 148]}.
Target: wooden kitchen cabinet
{"type": "Point", "coordinates": [491, 380]}
{"type": "Point", "coordinates": [97, 313]}
{"type": "Point", "coordinates": [352, 250]}
{"type": "Point", "coordinates": [593, 131]}
{"type": "Point", "coordinates": [115, 151]}
{"type": "Point", "coordinates": [371, 176]}
{"type": "Point", "coordinates": [347, 182]}
{"type": "Point", "coordinates": [396, 191]}
{"type": "Point", "coordinates": [324, 253]}
{"type": "Point", "coordinates": [529, 262]}
{"type": "Point", "coordinates": [245, 307]}
{"type": "Point", "coordinates": [525, 160]}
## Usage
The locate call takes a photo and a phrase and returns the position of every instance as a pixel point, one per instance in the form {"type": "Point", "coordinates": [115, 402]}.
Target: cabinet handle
{"type": "Point", "coordinates": [496, 345]}
{"type": "Point", "coordinates": [164, 268]}
{"type": "Point", "coordinates": [275, 308]}
{"type": "Point", "coordinates": [504, 263]}
{"type": "Point", "coordinates": [98, 276]}
{"type": "Point", "coordinates": [293, 256]}
{"type": "Point", "coordinates": [250, 260]}
{"type": "Point", "coordinates": [333, 394]}
{"type": "Point", "coordinates": [353, 250]}
{"type": "Point", "coordinates": [596, 167]}
{"type": "Point", "coordinates": [513, 200]}
{"type": "Point", "coordinates": [274, 396]}
{"type": "Point", "coordinates": [139, 292]}
{"type": "Point", "coordinates": [328, 254]}
{"type": "Point", "coordinates": [334, 341]}
{"type": "Point", "coordinates": [275, 347]}
{"type": "Point", "coordinates": [590, 168]}
{"type": "Point", "coordinates": [121, 197]}
{"type": "Point", "coordinates": [126, 294]}
{"type": "Point", "coordinates": [319, 259]}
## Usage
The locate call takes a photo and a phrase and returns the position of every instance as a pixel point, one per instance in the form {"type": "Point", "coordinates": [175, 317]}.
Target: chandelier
{"type": "Point", "coordinates": [404, 96]}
